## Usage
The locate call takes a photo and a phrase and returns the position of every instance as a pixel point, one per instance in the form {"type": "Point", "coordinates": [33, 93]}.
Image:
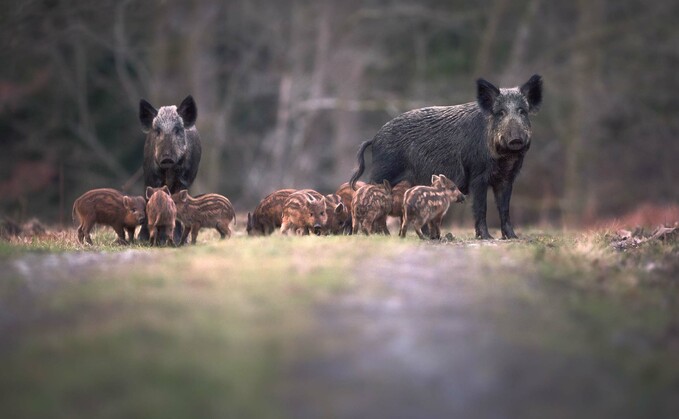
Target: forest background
{"type": "Point", "coordinates": [288, 89]}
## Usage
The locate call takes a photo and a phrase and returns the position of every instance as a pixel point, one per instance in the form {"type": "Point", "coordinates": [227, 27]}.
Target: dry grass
{"type": "Point", "coordinates": [208, 330]}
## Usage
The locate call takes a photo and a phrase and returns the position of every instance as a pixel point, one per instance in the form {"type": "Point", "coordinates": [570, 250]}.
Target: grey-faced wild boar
{"type": "Point", "coordinates": [209, 210]}
{"type": "Point", "coordinates": [108, 207]}
{"type": "Point", "coordinates": [304, 211]}
{"type": "Point", "coordinates": [370, 207]}
{"type": "Point", "coordinates": [339, 218]}
{"type": "Point", "coordinates": [172, 149]}
{"type": "Point", "coordinates": [161, 214]}
{"type": "Point", "coordinates": [397, 193]}
{"type": "Point", "coordinates": [426, 205]}
{"type": "Point", "coordinates": [478, 145]}
{"type": "Point", "coordinates": [268, 215]}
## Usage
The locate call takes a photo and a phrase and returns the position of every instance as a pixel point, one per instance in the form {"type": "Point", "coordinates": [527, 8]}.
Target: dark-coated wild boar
{"type": "Point", "coordinates": [370, 207]}
{"type": "Point", "coordinates": [172, 149]}
{"type": "Point", "coordinates": [303, 212]}
{"type": "Point", "coordinates": [111, 208]}
{"type": "Point", "coordinates": [426, 205]}
{"type": "Point", "coordinates": [208, 210]}
{"type": "Point", "coordinates": [161, 214]}
{"type": "Point", "coordinates": [478, 145]}
{"type": "Point", "coordinates": [268, 214]}
{"type": "Point", "coordinates": [397, 193]}
{"type": "Point", "coordinates": [339, 218]}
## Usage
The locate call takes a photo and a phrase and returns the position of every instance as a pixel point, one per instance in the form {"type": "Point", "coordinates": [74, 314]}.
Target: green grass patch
{"type": "Point", "coordinates": [200, 331]}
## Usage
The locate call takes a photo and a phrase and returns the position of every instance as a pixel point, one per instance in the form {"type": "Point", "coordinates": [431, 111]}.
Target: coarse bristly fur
{"type": "Point", "coordinates": [161, 213]}
{"type": "Point", "coordinates": [426, 205]}
{"type": "Point", "coordinates": [478, 145]}
{"type": "Point", "coordinates": [304, 211]}
{"type": "Point", "coordinates": [268, 215]}
{"type": "Point", "coordinates": [339, 218]}
{"type": "Point", "coordinates": [208, 210]}
{"type": "Point", "coordinates": [346, 193]}
{"type": "Point", "coordinates": [108, 207]}
{"type": "Point", "coordinates": [397, 193]}
{"type": "Point", "coordinates": [172, 149]}
{"type": "Point", "coordinates": [370, 207]}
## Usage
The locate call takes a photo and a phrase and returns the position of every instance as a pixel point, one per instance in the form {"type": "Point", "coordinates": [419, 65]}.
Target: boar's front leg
{"type": "Point", "coordinates": [503, 193]}
{"type": "Point", "coordinates": [479, 189]}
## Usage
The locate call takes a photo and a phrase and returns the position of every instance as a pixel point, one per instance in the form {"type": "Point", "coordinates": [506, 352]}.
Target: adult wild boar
{"type": "Point", "coordinates": [478, 145]}
{"type": "Point", "coordinates": [172, 148]}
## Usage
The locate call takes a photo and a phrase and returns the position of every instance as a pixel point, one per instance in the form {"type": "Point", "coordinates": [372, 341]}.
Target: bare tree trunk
{"type": "Point", "coordinates": [483, 61]}
{"type": "Point", "coordinates": [517, 56]}
{"type": "Point", "coordinates": [583, 62]}
{"type": "Point", "coordinates": [300, 136]}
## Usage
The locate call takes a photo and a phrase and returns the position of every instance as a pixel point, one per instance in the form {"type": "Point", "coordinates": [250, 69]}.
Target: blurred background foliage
{"type": "Point", "coordinates": [288, 89]}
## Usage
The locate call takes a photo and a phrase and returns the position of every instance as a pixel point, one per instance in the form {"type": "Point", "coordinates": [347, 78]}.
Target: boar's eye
{"type": "Point", "coordinates": [157, 130]}
{"type": "Point", "coordinates": [501, 113]}
{"type": "Point", "coordinates": [523, 112]}
{"type": "Point", "coordinates": [177, 130]}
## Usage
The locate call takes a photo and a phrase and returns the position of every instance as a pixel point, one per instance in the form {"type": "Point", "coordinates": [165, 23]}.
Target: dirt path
{"type": "Point", "coordinates": [419, 337]}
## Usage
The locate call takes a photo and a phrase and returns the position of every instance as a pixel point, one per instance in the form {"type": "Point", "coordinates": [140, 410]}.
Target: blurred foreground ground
{"type": "Point", "coordinates": [552, 325]}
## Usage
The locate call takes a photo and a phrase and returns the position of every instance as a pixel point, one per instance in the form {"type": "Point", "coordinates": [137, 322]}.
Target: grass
{"type": "Point", "coordinates": [208, 330]}
{"type": "Point", "coordinates": [193, 332]}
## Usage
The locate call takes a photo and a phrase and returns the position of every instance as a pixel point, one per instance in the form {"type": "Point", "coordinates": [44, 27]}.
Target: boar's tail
{"type": "Point", "coordinates": [361, 163]}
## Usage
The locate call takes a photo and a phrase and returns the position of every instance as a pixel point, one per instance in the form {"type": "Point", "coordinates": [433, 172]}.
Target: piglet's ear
{"type": "Point", "coordinates": [339, 208]}
{"type": "Point", "coordinates": [188, 111]}
{"type": "Point", "coordinates": [127, 202]}
{"type": "Point", "coordinates": [532, 90]}
{"type": "Point", "coordinates": [434, 179]}
{"type": "Point", "coordinates": [486, 94]}
{"type": "Point", "coordinates": [183, 194]}
{"type": "Point", "coordinates": [146, 115]}
{"type": "Point", "coordinates": [149, 192]}
{"type": "Point", "coordinates": [387, 185]}
{"type": "Point", "coordinates": [165, 189]}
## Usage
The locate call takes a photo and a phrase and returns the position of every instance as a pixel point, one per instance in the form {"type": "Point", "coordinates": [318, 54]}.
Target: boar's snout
{"type": "Point", "coordinates": [515, 144]}
{"type": "Point", "coordinates": [166, 161]}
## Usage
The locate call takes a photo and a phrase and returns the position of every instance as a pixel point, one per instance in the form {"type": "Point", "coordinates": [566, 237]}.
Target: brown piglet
{"type": "Point", "coordinates": [268, 214]}
{"type": "Point", "coordinates": [397, 193]}
{"type": "Point", "coordinates": [209, 210]}
{"type": "Point", "coordinates": [428, 204]}
{"type": "Point", "coordinates": [161, 213]}
{"type": "Point", "coordinates": [370, 207]}
{"type": "Point", "coordinates": [304, 211]}
{"type": "Point", "coordinates": [108, 207]}
{"type": "Point", "coordinates": [339, 218]}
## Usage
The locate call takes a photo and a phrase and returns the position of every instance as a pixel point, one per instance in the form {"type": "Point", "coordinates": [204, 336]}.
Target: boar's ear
{"type": "Point", "coordinates": [486, 93]}
{"type": "Point", "coordinates": [532, 90]}
{"type": "Point", "coordinates": [127, 203]}
{"type": "Point", "coordinates": [165, 189]}
{"type": "Point", "coordinates": [183, 194]}
{"type": "Point", "coordinates": [146, 114]}
{"type": "Point", "coordinates": [188, 111]}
